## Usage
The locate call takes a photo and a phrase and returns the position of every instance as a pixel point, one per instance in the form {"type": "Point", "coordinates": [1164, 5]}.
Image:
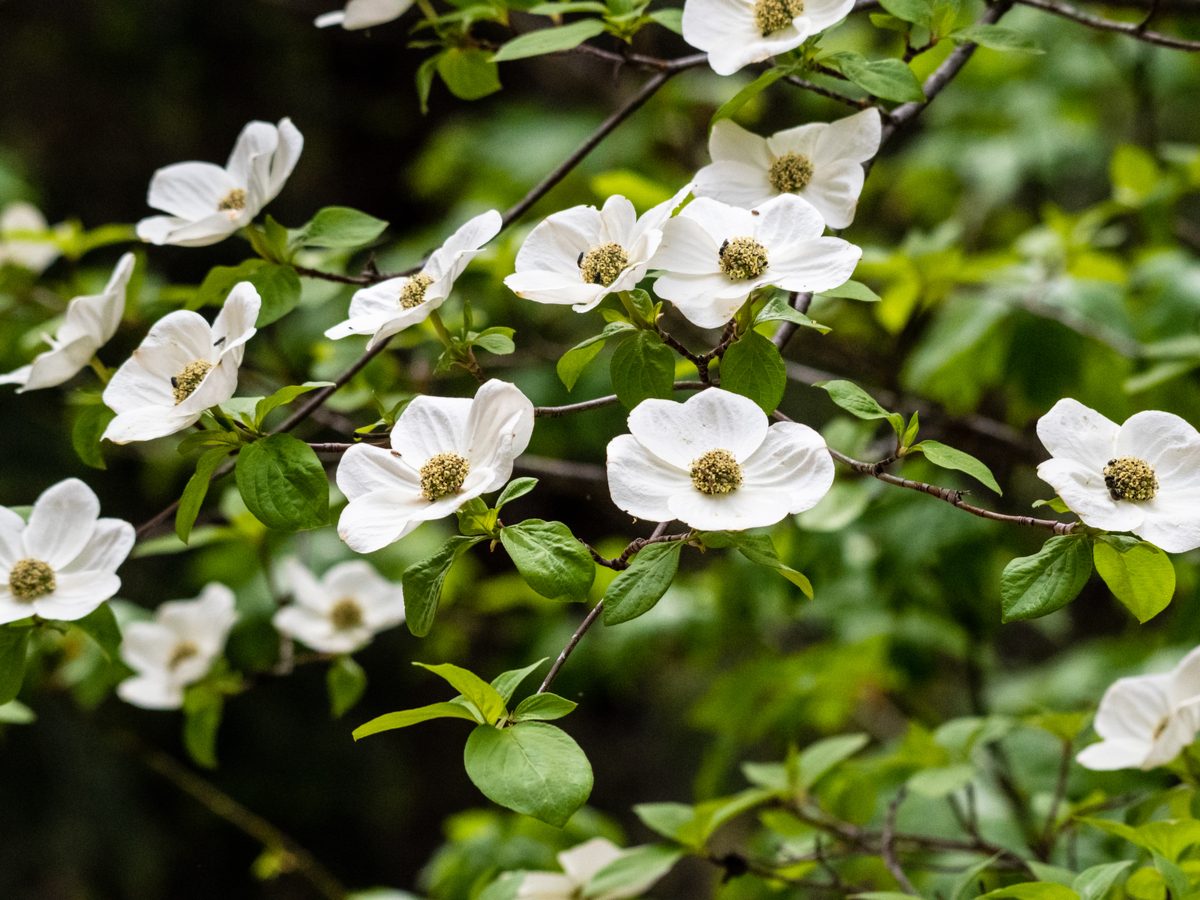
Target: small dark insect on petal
{"type": "Point", "coordinates": [579, 261]}
{"type": "Point", "coordinates": [174, 382]}
{"type": "Point", "coordinates": [724, 247]}
{"type": "Point", "coordinates": [219, 341]}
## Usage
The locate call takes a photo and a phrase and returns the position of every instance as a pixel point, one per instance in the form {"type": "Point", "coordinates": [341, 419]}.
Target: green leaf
{"type": "Point", "coordinates": [202, 710]}
{"type": "Point", "coordinates": [636, 590]}
{"type": "Point", "coordinates": [777, 309]}
{"type": "Point", "coordinates": [1033, 586]}
{"type": "Point", "coordinates": [196, 490]}
{"type": "Point", "coordinates": [345, 682]}
{"type": "Point", "coordinates": [857, 402]}
{"type": "Point", "coordinates": [339, 227]}
{"type": "Point", "coordinates": [572, 363]}
{"type": "Point", "coordinates": [672, 820]}
{"type": "Point", "coordinates": [89, 424]}
{"type": "Point", "coordinates": [485, 697]}
{"type": "Point", "coordinates": [852, 290]}
{"type": "Point", "coordinates": [497, 340]}
{"type": "Point", "coordinates": [759, 549]}
{"type": "Point", "coordinates": [887, 79]}
{"type": "Point", "coordinates": [550, 40]}
{"type": "Point", "coordinates": [220, 281]}
{"type": "Point", "coordinates": [1031, 890]}
{"type": "Point", "coordinates": [469, 73]}
{"type": "Point", "coordinates": [949, 458]}
{"type": "Point", "coordinates": [422, 582]}
{"type": "Point", "coordinates": [549, 558]}
{"type": "Point", "coordinates": [518, 487]}
{"type": "Point", "coordinates": [283, 483]}
{"type": "Point", "coordinates": [279, 288]}
{"type": "Point", "coordinates": [997, 37]}
{"type": "Point", "coordinates": [531, 768]}
{"type": "Point", "coordinates": [506, 683]}
{"type": "Point", "coordinates": [753, 368]}
{"type": "Point", "coordinates": [671, 19]}
{"type": "Point", "coordinates": [938, 782]}
{"type": "Point", "coordinates": [283, 397]}
{"type": "Point", "coordinates": [406, 717]}
{"type": "Point", "coordinates": [1139, 574]}
{"type": "Point", "coordinates": [101, 626]}
{"type": "Point", "coordinates": [14, 646]}
{"type": "Point", "coordinates": [919, 12]}
{"type": "Point", "coordinates": [543, 707]}
{"type": "Point", "coordinates": [1095, 882]}
{"type": "Point", "coordinates": [730, 107]}
{"type": "Point", "coordinates": [819, 759]}
{"type": "Point", "coordinates": [634, 872]}
{"type": "Point", "coordinates": [641, 368]}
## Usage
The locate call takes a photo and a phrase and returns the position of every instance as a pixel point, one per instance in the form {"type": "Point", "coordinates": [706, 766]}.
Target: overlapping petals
{"type": "Point", "coordinates": [732, 35]}
{"type": "Point", "coordinates": [341, 611]}
{"type": "Point", "coordinates": [364, 14]}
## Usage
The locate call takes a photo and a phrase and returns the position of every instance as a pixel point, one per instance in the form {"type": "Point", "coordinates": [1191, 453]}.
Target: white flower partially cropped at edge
{"type": "Point", "coordinates": [343, 610]}
{"type": "Point", "coordinates": [579, 865]}
{"type": "Point", "coordinates": [714, 256]}
{"type": "Point", "coordinates": [364, 14]}
{"type": "Point", "coordinates": [1143, 476]}
{"type": "Point", "coordinates": [88, 324]}
{"type": "Point", "coordinates": [820, 162]}
{"type": "Point", "coordinates": [581, 255]}
{"type": "Point", "coordinates": [445, 451]}
{"type": "Point", "coordinates": [384, 309]}
{"type": "Point", "coordinates": [183, 367]}
{"type": "Point", "coordinates": [714, 464]}
{"type": "Point", "coordinates": [62, 564]}
{"type": "Point", "coordinates": [35, 256]}
{"type": "Point", "coordinates": [206, 203]}
{"type": "Point", "coordinates": [736, 33]}
{"type": "Point", "coordinates": [177, 648]}
{"type": "Point", "coordinates": [1145, 721]}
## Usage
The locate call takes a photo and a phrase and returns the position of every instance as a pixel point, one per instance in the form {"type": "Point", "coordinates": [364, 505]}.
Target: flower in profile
{"type": "Point", "coordinates": [581, 255]}
{"type": "Point", "coordinates": [364, 14]}
{"type": "Point", "coordinates": [1145, 721]}
{"type": "Point", "coordinates": [17, 218]}
{"type": "Point", "coordinates": [206, 203]}
{"type": "Point", "coordinates": [63, 563]}
{"type": "Point", "coordinates": [445, 451]}
{"type": "Point", "coordinates": [820, 162]}
{"type": "Point", "coordinates": [393, 305]}
{"type": "Point", "coordinates": [736, 33]}
{"type": "Point", "coordinates": [176, 649]}
{"type": "Point", "coordinates": [579, 865]}
{"type": "Point", "coordinates": [1142, 476]}
{"type": "Point", "coordinates": [343, 610]}
{"type": "Point", "coordinates": [714, 256]}
{"type": "Point", "coordinates": [183, 367]}
{"type": "Point", "coordinates": [715, 465]}
{"type": "Point", "coordinates": [89, 324]}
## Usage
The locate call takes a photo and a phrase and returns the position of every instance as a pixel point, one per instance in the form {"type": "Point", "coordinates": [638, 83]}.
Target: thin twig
{"type": "Point", "coordinates": [887, 844]}
{"type": "Point", "coordinates": [1130, 29]}
{"type": "Point", "coordinates": [554, 412]}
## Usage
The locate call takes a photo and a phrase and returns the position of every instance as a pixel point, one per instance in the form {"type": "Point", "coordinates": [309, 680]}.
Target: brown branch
{"type": "Point", "coordinates": [814, 88]}
{"type": "Point", "coordinates": [1130, 29]}
{"type": "Point", "coordinates": [887, 844]}
{"type": "Point", "coordinates": [554, 412]}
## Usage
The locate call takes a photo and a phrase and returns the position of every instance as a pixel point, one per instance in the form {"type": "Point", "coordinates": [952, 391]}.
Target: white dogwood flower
{"type": "Point", "coordinates": [62, 564]}
{"type": "Point", "coordinates": [343, 610]}
{"type": "Point", "coordinates": [714, 256]}
{"type": "Point", "coordinates": [445, 451]}
{"type": "Point", "coordinates": [1142, 476]}
{"type": "Point", "coordinates": [176, 649]}
{"type": "Point", "coordinates": [581, 255]}
{"type": "Point", "coordinates": [88, 324]}
{"type": "Point", "coordinates": [736, 33]}
{"type": "Point", "coordinates": [579, 865]}
{"type": "Point", "coordinates": [714, 464]}
{"type": "Point", "coordinates": [206, 203]}
{"type": "Point", "coordinates": [820, 162]}
{"type": "Point", "coordinates": [364, 14]}
{"type": "Point", "coordinates": [393, 305]}
{"type": "Point", "coordinates": [36, 256]}
{"type": "Point", "coordinates": [1145, 721]}
{"type": "Point", "coordinates": [183, 367]}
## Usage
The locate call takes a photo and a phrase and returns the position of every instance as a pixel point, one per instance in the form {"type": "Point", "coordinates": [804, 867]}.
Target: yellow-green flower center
{"type": "Point", "coordinates": [716, 472]}
{"type": "Point", "coordinates": [443, 475]}
{"type": "Point", "coordinates": [1130, 478]}
{"type": "Point", "coordinates": [184, 651]}
{"type": "Point", "coordinates": [234, 201]}
{"type": "Point", "coordinates": [190, 378]}
{"type": "Point", "coordinates": [743, 258]}
{"type": "Point", "coordinates": [603, 264]}
{"type": "Point", "coordinates": [412, 294]}
{"type": "Point", "coordinates": [30, 579]}
{"type": "Point", "coordinates": [346, 614]}
{"type": "Point", "coordinates": [775, 15]}
{"type": "Point", "coordinates": [790, 173]}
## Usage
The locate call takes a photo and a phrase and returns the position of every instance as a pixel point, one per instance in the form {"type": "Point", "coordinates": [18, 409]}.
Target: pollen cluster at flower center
{"type": "Point", "coordinates": [775, 15]}
{"type": "Point", "coordinates": [234, 201]}
{"type": "Point", "coordinates": [346, 614]}
{"type": "Point", "coordinates": [716, 472]}
{"type": "Point", "coordinates": [603, 264]}
{"type": "Point", "coordinates": [790, 173]}
{"type": "Point", "coordinates": [184, 651]}
{"type": "Point", "coordinates": [743, 258]}
{"type": "Point", "coordinates": [190, 378]}
{"type": "Point", "coordinates": [1130, 478]}
{"type": "Point", "coordinates": [31, 579]}
{"type": "Point", "coordinates": [412, 294]}
{"type": "Point", "coordinates": [443, 475]}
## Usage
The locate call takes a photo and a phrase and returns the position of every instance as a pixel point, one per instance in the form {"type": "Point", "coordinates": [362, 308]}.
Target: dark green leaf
{"type": "Point", "coordinates": [549, 558]}
{"type": "Point", "coordinates": [636, 590]}
{"type": "Point", "coordinates": [423, 582]}
{"type": "Point", "coordinates": [550, 40]}
{"type": "Point", "coordinates": [196, 490]}
{"type": "Point", "coordinates": [857, 402]}
{"type": "Point", "coordinates": [89, 424]}
{"type": "Point", "coordinates": [14, 646]}
{"type": "Point", "coordinates": [518, 487]}
{"type": "Point", "coordinates": [759, 549]}
{"type": "Point", "coordinates": [572, 363]}
{"type": "Point", "coordinates": [283, 397]}
{"type": "Point", "coordinates": [887, 79]}
{"type": "Point", "coordinates": [202, 710]}
{"type": "Point", "coordinates": [101, 626]}
{"type": "Point", "coordinates": [919, 12]}
{"type": "Point", "coordinates": [345, 682]}
{"type": "Point", "coordinates": [279, 287]}
{"type": "Point", "coordinates": [778, 309]}
{"type": "Point", "coordinates": [283, 483]}
{"type": "Point", "coordinates": [642, 367]}
{"type": "Point", "coordinates": [1033, 586]}
{"type": "Point", "coordinates": [220, 281]}
{"type": "Point", "coordinates": [753, 368]}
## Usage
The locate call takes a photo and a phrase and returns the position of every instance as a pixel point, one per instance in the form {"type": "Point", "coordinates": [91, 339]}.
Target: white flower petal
{"type": "Point", "coordinates": [59, 365]}
{"type": "Point", "coordinates": [367, 13]}
{"type": "Point", "coordinates": [12, 547]}
{"type": "Point", "coordinates": [583, 861]}
{"type": "Point", "coordinates": [76, 594]}
{"type": "Point", "coordinates": [730, 141]}
{"type": "Point", "coordinates": [146, 424]}
{"type": "Point", "coordinates": [687, 248]}
{"type": "Point", "coordinates": [1071, 430]}
{"type": "Point", "coordinates": [1134, 707]}
{"type": "Point", "coordinates": [61, 523]}
{"type": "Point", "coordinates": [714, 419]}
{"type": "Point", "coordinates": [815, 265]}
{"type": "Point", "coordinates": [735, 183]}
{"type": "Point", "coordinates": [794, 461]}
{"type": "Point", "coordinates": [747, 507]}
{"type": "Point", "coordinates": [12, 609]}
{"type": "Point", "coordinates": [151, 692]}
{"type": "Point", "coordinates": [834, 191]}
{"type": "Point", "coordinates": [365, 469]}
{"type": "Point", "coordinates": [1168, 443]}
{"type": "Point", "coordinates": [640, 482]}
{"type": "Point", "coordinates": [555, 288]}
{"type": "Point", "coordinates": [234, 324]}
{"type": "Point", "coordinates": [546, 886]}
{"type": "Point", "coordinates": [1108, 756]}
{"type": "Point", "coordinates": [1084, 492]}
{"type": "Point", "coordinates": [855, 138]}
{"type": "Point", "coordinates": [1171, 521]}
{"type": "Point", "coordinates": [802, 140]}
{"type": "Point", "coordinates": [106, 549]}
{"type": "Point", "coordinates": [786, 220]}
{"type": "Point", "coordinates": [190, 190]}
{"type": "Point", "coordinates": [372, 521]}
{"type": "Point", "coordinates": [429, 426]}
{"type": "Point", "coordinates": [451, 259]}
{"type": "Point", "coordinates": [499, 426]}
{"type": "Point", "coordinates": [147, 646]}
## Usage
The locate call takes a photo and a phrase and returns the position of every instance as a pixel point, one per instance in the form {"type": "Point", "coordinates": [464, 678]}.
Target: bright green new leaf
{"type": "Point", "coordinates": [730, 107]}
{"type": "Point", "coordinates": [949, 458]}
{"type": "Point", "coordinates": [777, 309]}
{"type": "Point", "coordinates": [339, 227]}
{"type": "Point", "coordinates": [506, 683]}
{"type": "Point", "coordinates": [1095, 882]}
{"type": "Point", "coordinates": [469, 73]}
{"type": "Point", "coordinates": [549, 40]}
{"type": "Point", "coordinates": [422, 582]}
{"type": "Point", "coordinates": [941, 781]}
{"type": "Point", "coordinates": [345, 682]}
{"type": "Point", "coordinates": [572, 363]}
{"type": "Point", "coordinates": [406, 717]}
{"type": "Point", "coordinates": [852, 290]}
{"type": "Point", "coordinates": [671, 19]}
{"type": "Point", "coordinates": [819, 759]}
{"type": "Point", "coordinates": [549, 558]}
{"type": "Point", "coordinates": [753, 368]}
{"type": "Point", "coordinates": [636, 590]}
{"type": "Point", "coordinates": [1032, 890]}
{"type": "Point", "coordinates": [283, 483]}
{"type": "Point", "coordinates": [543, 707]}
{"type": "Point", "coordinates": [283, 397]}
{"type": "Point", "coordinates": [1139, 574]}
{"type": "Point", "coordinates": [1037, 585]}
{"type": "Point", "coordinates": [518, 487]}
{"type": "Point", "coordinates": [857, 402]}
{"type": "Point", "coordinates": [485, 697]}
{"type": "Point", "coordinates": [641, 368]}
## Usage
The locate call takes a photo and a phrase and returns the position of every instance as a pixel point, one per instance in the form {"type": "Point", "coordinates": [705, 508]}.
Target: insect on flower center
{"type": "Point", "coordinates": [412, 294]}
{"type": "Point", "coordinates": [234, 201]}
{"type": "Point", "coordinates": [190, 378]}
{"type": "Point", "coordinates": [775, 15]}
{"type": "Point", "coordinates": [30, 579]}
{"type": "Point", "coordinates": [184, 651]}
{"type": "Point", "coordinates": [743, 258]}
{"type": "Point", "coordinates": [345, 614]}
{"type": "Point", "coordinates": [1130, 478]}
{"type": "Point", "coordinates": [790, 173]}
{"type": "Point", "coordinates": [603, 264]}
{"type": "Point", "coordinates": [716, 472]}
{"type": "Point", "coordinates": [443, 475]}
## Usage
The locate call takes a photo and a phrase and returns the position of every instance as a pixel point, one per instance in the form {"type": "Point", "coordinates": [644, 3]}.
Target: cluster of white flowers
{"type": "Point", "coordinates": [341, 611]}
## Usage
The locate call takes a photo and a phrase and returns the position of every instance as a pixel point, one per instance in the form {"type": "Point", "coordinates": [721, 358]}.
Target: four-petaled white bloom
{"type": "Point", "coordinates": [364, 14]}
{"type": "Point", "coordinates": [35, 256]}
{"type": "Point", "coordinates": [176, 649]}
{"type": "Point", "coordinates": [714, 255]}
{"type": "Point", "coordinates": [88, 324]}
{"type": "Point", "coordinates": [183, 367]}
{"type": "Point", "coordinates": [343, 610]}
{"type": "Point", "coordinates": [581, 255]}
{"type": "Point", "coordinates": [1143, 476]}
{"type": "Point", "coordinates": [820, 162]}
{"type": "Point", "coordinates": [736, 33]}
{"type": "Point", "coordinates": [1145, 721]}
{"type": "Point", "coordinates": [393, 305]}
{"type": "Point", "coordinates": [714, 464]}
{"type": "Point", "coordinates": [62, 564]}
{"type": "Point", "coordinates": [579, 865]}
{"type": "Point", "coordinates": [207, 203]}
{"type": "Point", "coordinates": [445, 451]}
